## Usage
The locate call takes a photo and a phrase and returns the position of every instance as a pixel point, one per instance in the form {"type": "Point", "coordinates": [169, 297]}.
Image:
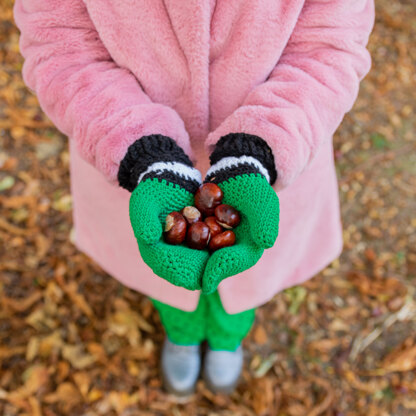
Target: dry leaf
{"type": "Point", "coordinates": [71, 289]}
{"type": "Point", "coordinates": [371, 386]}
{"type": "Point", "coordinates": [51, 344]}
{"type": "Point", "coordinates": [77, 357]}
{"type": "Point", "coordinates": [260, 335]}
{"type": "Point", "coordinates": [35, 405]}
{"type": "Point", "coordinates": [324, 345]}
{"type": "Point", "coordinates": [119, 401]}
{"type": "Point", "coordinates": [94, 395]}
{"type": "Point", "coordinates": [263, 396]}
{"type": "Point", "coordinates": [41, 320]}
{"type": "Point", "coordinates": [21, 305]}
{"type": "Point", "coordinates": [6, 352]}
{"type": "Point", "coordinates": [83, 382]}
{"type": "Point", "coordinates": [67, 395]}
{"type": "Point", "coordinates": [32, 348]}
{"type": "Point", "coordinates": [404, 360]}
{"type": "Point", "coordinates": [35, 378]}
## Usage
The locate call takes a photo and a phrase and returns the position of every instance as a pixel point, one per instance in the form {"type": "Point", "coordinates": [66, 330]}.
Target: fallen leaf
{"type": "Point", "coordinates": [260, 335]}
{"type": "Point", "coordinates": [35, 378]}
{"type": "Point", "coordinates": [6, 352]}
{"type": "Point", "coordinates": [6, 183]}
{"type": "Point", "coordinates": [21, 305]}
{"type": "Point", "coordinates": [71, 289]}
{"type": "Point", "coordinates": [324, 345]}
{"type": "Point", "coordinates": [265, 365]}
{"type": "Point", "coordinates": [77, 357]}
{"type": "Point", "coordinates": [35, 405]}
{"type": "Point", "coordinates": [63, 204]}
{"type": "Point", "coordinates": [263, 396]}
{"type": "Point", "coordinates": [119, 401]}
{"type": "Point", "coordinates": [83, 382]}
{"type": "Point", "coordinates": [402, 360]}
{"type": "Point", "coordinates": [67, 395]}
{"type": "Point", "coordinates": [32, 348]}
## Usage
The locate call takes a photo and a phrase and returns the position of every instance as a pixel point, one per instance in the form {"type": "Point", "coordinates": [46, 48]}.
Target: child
{"type": "Point", "coordinates": [157, 96]}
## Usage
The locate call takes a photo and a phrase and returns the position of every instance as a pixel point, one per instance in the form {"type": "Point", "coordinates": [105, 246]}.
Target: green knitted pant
{"type": "Point", "coordinates": [208, 322]}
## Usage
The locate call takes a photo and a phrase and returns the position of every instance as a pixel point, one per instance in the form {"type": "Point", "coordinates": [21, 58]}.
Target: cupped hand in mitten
{"type": "Point", "coordinates": [162, 180]}
{"type": "Point", "coordinates": [242, 167]}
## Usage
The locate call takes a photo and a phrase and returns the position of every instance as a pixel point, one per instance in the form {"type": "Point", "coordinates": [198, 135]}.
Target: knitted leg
{"type": "Point", "coordinates": [226, 331]}
{"type": "Point", "coordinates": [183, 328]}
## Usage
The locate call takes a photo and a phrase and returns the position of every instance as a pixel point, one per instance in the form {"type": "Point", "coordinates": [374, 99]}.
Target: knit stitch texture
{"type": "Point", "coordinates": [146, 151]}
{"type": "Point", "coordinates": [150, 203]}
{"type": "Point", "coordinates": [258, 203]}
{"type": "Point", "coordinates": [243, 144]}
{"type": "Point", "coordinates": [208, 322]}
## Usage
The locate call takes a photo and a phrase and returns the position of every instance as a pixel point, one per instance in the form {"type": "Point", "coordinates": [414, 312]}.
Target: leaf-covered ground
{"type": "Point", "coordinates": [75, 342]}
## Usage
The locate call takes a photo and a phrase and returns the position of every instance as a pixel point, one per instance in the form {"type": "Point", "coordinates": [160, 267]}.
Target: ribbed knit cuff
{"type": "Point", "coordinates": [157, 156]}
{"type": "Point", "coordinates": [239, 153]}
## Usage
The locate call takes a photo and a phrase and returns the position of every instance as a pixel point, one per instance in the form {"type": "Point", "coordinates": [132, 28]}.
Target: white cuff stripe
{"type": "Point", "coordinates": [227, 162]}
{"type": "Point", "coordinates": [179, 168]}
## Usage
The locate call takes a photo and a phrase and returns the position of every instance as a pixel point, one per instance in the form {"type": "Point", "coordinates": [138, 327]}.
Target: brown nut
{"type": "Point", "coordinates": [175, 228]}
{"type": "Point", "coordinates": [213, 225]}
{"type": "Point", "coordinates": [198, 235]}
{"type": "Point", "coordinates": [191, 214]}
{"type": "Point", "coordinates": [227, 216]}
{"type": "Point", "coordinates": [225, 239]}
{"type": "Point", "coordinates": [207, 197]}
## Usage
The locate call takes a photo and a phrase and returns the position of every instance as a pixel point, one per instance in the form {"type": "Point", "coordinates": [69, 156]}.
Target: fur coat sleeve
{"type": "Point", "coordinates": [311, 88]}
{"type": "Point", "coordinates": [95, 102]}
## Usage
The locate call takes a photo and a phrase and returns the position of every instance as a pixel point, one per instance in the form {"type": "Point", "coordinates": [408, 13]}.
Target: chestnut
{"type": "Point", "coordinates": [225, 239]}
{"type": "Point", "coordinates": [227, 216]}
{"type": "Point", "coordinates": [213, 225]}
{"type": "Point", "coordinates": [175, 228]}
{"type": "Point", "coordinates": [198, 235]}
{"type": "Point", "coordinates": [191, 214]}
{"type": "Point", "coordinates": [207, 197]}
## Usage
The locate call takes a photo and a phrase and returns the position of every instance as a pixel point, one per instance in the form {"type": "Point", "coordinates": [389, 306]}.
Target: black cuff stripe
{"type": "Point", "coordinates": [243, 144]}
{"type": "Point", "coordinates": [187, 184]}
{"type": "Point", "coordinates": [222, 175]}
{"type": "Point", "coordinates": [143, 153]}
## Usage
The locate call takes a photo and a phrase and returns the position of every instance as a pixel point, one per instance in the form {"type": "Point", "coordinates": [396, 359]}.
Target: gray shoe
{"type": "Point", "coordinates": [180, 367]}
{"type": "Point", "coordinates": [222, 369]}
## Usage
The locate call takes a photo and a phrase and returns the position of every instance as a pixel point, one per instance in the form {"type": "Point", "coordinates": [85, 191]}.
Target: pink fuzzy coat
{"type": "Point", "coordinates": [107, 72]}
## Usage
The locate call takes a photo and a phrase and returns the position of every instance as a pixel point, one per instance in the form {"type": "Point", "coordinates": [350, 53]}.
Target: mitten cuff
{"type": "Point", "coordinates": [239, 153]}
{"type": "Point", "coordinates": [157, 156]}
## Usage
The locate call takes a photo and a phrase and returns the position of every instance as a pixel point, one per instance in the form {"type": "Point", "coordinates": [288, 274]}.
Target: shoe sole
{"type": "Point", "coordinates": [170, 389]}
{"type": "Point", "coordinates": [180, 393]}
{"type": "Point", "coordinates": [220, 389]}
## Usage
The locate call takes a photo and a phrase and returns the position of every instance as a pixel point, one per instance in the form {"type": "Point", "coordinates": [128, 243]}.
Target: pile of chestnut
{"type": "Point", "coordinates": [207, 224]}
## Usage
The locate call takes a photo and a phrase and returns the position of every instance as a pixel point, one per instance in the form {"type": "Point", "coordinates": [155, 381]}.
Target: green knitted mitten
{"type": "Point", "coordinates": [163, 181]}
{"type": "Point", "coordinates": [243, 167]}
{"type": "Point", "coordinates": [150, 203]}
